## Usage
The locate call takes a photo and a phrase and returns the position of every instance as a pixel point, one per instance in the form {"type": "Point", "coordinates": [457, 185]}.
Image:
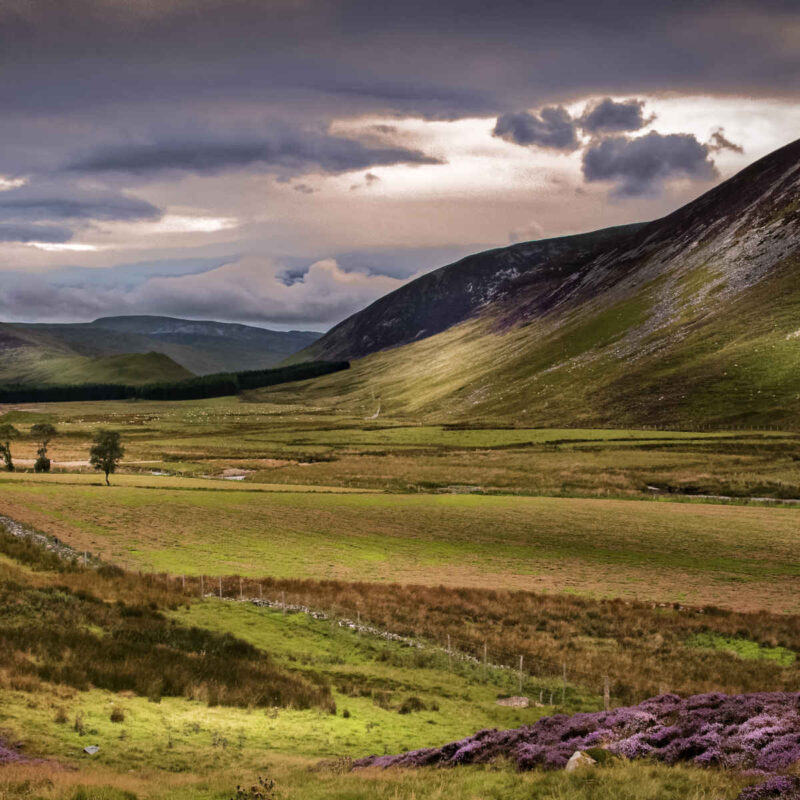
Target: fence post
{"type": "Point", "coordinates": [563, 684]}
{"type": "Point", "coordinates": [606, 693]}
{"type": "Point", "coordinates": [220, 587]}
{"type": "Point", "coordinates": [283, 601]}
{"type": "Point", "coordinates": [241, 590]}
{"type": "Point", "coordinates": [260, 591]}
{"type": "Point", "coordinates": [358, 623]}
{"type": "Point", "coordinates": [202, 587]}
{"type": "Point", "coordinates": [183, 584]}
{"type": "Point", "coordinates": [520, 674]}
{"type": "Point", "coordinates": [484, 662]}
{"type": "Point", "coordinates": [449, 654]}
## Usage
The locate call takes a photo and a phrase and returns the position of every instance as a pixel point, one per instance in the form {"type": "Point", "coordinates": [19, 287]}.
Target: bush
{"type": "Point", "coordinates": [411, 704]}
{"type": "Point", "coordinates": [117, 714]}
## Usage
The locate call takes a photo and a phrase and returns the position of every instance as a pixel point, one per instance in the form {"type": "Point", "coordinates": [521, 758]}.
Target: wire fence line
{"type": "Point", "coordinates": [552, 679]}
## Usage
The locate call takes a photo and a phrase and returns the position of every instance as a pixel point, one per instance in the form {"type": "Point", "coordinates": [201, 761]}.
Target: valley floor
{"type": "Point", "coordinates": [605, 526]}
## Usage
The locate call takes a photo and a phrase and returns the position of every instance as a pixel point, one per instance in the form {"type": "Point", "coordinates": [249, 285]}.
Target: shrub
{"type": "Point", "coordinates": [117, 714]}
{"type": "Point", "coordinates": [411, 704]}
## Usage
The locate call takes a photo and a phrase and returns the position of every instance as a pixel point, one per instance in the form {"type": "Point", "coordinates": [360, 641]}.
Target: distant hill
{"type": "Point", "coordinates": [200, 347]}
{"type": "Point", "coordinates": [32, 358]}
{"type": "Point", "coordinates": [692, 319]}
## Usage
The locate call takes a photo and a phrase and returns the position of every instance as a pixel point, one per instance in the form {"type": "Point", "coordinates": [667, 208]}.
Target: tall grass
{"type": "Point", "coordinates": [60, 629]}
{"type": "Point", "coordinates": [644, 648]}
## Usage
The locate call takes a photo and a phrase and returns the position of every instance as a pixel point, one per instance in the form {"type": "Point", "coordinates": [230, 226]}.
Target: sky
{"type": "Point", "coordinates": [284, 163]}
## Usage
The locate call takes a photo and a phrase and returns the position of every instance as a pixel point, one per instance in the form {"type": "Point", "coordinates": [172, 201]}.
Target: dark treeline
{"type": "Point", "coordinates": [218, 385]}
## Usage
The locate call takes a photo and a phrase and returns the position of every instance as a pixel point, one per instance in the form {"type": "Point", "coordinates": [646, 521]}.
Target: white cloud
{"type": "Point", "coordinates": [526, 233]}
{"type": "Point", "coordinates": [10, 183]}
{"type": "Point", "coordinates": [63, 247]}
{"type": "Point", "coordinates": [250, 290]}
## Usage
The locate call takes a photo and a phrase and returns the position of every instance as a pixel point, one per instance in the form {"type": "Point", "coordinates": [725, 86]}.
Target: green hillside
{"type": "Point", "coordinates": [202, 347]}
{"type": "Point", "coordinates": [32, 365]}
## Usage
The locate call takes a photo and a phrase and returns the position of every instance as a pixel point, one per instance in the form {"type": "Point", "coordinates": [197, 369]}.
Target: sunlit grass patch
{"type": "Point", "coordinates": [743, 648]}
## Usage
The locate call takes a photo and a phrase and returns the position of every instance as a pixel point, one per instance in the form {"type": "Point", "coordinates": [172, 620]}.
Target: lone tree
{"type": "Point", "coordinates": [7, 433]}
{"type": "Point", "coordinates": [106, 452]}
{"type": "Point", "coordinates": [42, 432]}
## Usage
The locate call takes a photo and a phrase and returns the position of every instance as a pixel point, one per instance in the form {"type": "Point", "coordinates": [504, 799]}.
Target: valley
{"type": "Point", "coordinates": [558, 480]}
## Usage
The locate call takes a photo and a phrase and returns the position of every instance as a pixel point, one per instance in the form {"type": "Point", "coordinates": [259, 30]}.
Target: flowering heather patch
{"type": "Point", "coordinates": [9, 756]}
{"type": "Point", "coordinates": [781, 786]}
{"type": "Point", "coordinates": [750, 731]}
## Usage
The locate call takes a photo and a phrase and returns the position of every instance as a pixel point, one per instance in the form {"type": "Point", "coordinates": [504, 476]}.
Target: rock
{"type": "Point", "coordinates": [515, 702]}
{"type": "Point", "coordinates": [579, 760]}
{"type": "Point", "coordinates": [91, 749]}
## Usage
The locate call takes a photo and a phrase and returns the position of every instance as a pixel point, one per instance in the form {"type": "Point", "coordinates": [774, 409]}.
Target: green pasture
{"type": "Point", "coordinates": [743, 557]}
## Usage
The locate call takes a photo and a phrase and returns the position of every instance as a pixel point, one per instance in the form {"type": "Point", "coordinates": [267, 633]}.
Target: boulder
{"type": "Point", "coordinates": [579, 760]}
{"type": "Point", "coordinates": [514, 702]}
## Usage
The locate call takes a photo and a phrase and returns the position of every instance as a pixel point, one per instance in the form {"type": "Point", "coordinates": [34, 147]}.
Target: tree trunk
{"type": "Point", "coordinates": [107, 482]}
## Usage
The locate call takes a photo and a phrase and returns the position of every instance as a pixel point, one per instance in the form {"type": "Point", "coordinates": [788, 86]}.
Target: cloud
{"type": "Point", "coordinates": [369, 180]}
{"type": "Point", "coordinates": [12, 232]}
{"type": "Point", "coordinates": [551, 127]}
{"type": "Point", "coordinates": [34, 202]}
{"type": "Point", "coordinates": [609, 116]}
{"type": "Point", "coordinates": [721, 142]}
{"type": "Point", "coordinates": [526, 233]}
{"type": "Point", "coordinates": [640, 166]}
{"type": "Point", "coordinates": [290, 152]}
{"type": "Point", "coordinates": [251, 289]}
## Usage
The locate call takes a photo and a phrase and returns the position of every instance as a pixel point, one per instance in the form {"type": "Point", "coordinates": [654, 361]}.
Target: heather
{"type": "Point", "coordinates": [758, 731]}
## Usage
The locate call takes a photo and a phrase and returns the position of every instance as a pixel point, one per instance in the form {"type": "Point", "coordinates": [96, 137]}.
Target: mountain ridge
{"type": "Point", "coordinates": [690, 319]}
{"type": "Point", "coordinates": [198, 347]}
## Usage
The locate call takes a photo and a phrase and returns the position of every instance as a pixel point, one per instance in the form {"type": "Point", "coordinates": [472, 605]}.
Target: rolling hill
{"type": "Point", "coordinates": [113, 347]}
{"type": "Point", "coordinates": [35, 358]}
{"type": "Point", "coordinates": [692, 319]}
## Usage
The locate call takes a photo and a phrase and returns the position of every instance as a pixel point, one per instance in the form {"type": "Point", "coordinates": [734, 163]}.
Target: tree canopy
{"type": "Point", "coordinates": [106, 452]}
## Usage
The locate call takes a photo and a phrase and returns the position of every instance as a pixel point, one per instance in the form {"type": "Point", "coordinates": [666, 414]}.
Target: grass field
{"type": "Point", "coordinates": [306, 444]}
{"type": "Point", "coordinates": [321, 492]}
{"type": "Point", "coordinates": [172, 746]}
{"type": "Point", "coordinates": [741, 557]}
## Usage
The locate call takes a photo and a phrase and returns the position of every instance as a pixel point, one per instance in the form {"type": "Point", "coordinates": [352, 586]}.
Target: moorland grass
{"type": "Point", "coordinates": [177, 746]}
{"type": "Point", "coordinates": [303, 444]}
{"type": "Point", "coordinates": [739, 557]}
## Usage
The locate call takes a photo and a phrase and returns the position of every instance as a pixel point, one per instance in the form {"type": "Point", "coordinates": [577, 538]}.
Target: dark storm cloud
{"type": "Point", "coordinates": [451, 58]}
{"type": "Point", "coordinates": [719, 141]}
{"type": "Point", "coordinates": [551, 127]}
{"type": "Point", "coordinates": [609, 116]}
{"type": "Point", "coordinates": [639, 166]}
{"type": "Point", "coordinates": [291, 152]}
{"type": "Point", "coordinates": [51, 234]}
{"type": "Point", "coordinates": [33, 203]}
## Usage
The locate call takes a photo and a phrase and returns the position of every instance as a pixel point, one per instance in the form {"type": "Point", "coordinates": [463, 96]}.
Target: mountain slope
{"type": "Point", "coordinates": [35, 357]}
{"type": "Point", "coordinates": [451, 294]}
{"type": "Point", "coordinates": [200, 347]}
{"type": "Point", "coordinates": [688, 320]}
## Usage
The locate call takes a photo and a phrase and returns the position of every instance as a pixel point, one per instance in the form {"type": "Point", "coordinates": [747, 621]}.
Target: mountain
{"type": "Point", "coordinates": [691, 319]}
{"type": "Point", "coordinates": [198, 346]}
{"type": "Point", "coordinates": [35, 357]}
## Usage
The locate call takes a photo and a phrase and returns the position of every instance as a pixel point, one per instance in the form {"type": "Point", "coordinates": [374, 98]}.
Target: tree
{"type": "Point", "coordinates": [7, 433]}
{"type": "Point", "coordinates": [42, 432]}
{"type": "Point", "coordinates": [106, 452]}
